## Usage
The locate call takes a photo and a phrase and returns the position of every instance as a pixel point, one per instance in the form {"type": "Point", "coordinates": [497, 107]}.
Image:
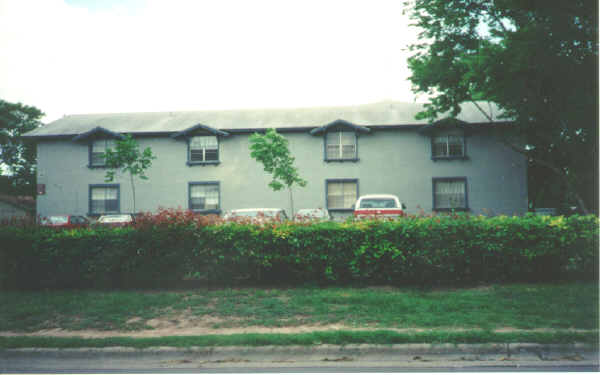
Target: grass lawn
{"type": "Point", "coordinates": [521, 306]}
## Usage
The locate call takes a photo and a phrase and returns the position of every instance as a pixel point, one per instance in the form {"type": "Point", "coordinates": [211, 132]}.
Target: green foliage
{"type": "Point", "coordinates": [536, 59]}
{"type": "Point", "coordinates": [16, 154]}
{"type": "Point", "coordinates": [412, 251]}
{"type": "Point", "coordinates": [127, 158]}
{"type": "Point", "coordinates": [271, 149]}
{"type": "Point", "coordinates": [552, 306]}
{"type": "Point", "coordinates": [378, 337]}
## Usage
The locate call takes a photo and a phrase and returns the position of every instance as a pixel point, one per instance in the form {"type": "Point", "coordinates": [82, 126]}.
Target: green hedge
{"type": "Point", "coordinates": [412, 251]}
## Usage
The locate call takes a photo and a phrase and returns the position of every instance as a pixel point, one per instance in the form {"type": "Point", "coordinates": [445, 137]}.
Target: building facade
{"type": "Point", "coordinates": [203, 161]}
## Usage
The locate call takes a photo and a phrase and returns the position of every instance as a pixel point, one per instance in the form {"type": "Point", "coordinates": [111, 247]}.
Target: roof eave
{"type": "Point", "coordinates": [340, 123]}
{"type": "Point", "coordinates": [97, 130]}
{"type": "Point", "coordinates": [192, 129]}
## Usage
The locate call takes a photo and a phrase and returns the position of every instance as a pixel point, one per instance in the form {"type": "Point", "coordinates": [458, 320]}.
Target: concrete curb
{"type": "Point", "coordinates": [501, 357]}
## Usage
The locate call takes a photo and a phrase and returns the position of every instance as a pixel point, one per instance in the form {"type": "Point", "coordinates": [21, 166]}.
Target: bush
{"type": "Point", "coordinates": [163, 249]}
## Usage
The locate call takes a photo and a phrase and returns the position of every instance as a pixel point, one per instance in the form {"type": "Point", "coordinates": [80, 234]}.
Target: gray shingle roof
{"type": "Point", "coordinates": [384, 113]}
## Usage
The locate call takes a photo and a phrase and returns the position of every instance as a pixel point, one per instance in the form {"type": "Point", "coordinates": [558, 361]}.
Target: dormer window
{"type": "Point", "coordinates": [202, 144]}
{"type": "Point", "coordinates": [341, 145]}
{"type": "Point", "coordinates": [97, 150]}
{"type": "Point", "coordinates": [98, 140]}
{"type": "Point", "coordinates": [340, 140]}
{"type": "Point", "coordinates": [448, 146]}
{"type": "Point", "coordinates": [203, 149]}
{"type": "Point", "coordinates": [447, 138]}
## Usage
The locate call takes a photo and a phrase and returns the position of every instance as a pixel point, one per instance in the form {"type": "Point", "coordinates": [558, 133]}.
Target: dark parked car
{"type": "Point", "coordinates": [65, 221]}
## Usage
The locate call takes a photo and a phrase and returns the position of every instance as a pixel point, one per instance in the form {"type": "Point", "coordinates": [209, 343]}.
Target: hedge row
{"type": "Point", "coordinates": [411, 251]}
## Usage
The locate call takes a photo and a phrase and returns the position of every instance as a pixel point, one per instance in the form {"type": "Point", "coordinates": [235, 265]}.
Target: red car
{"type": "Point", "coordinates": [65, 221]}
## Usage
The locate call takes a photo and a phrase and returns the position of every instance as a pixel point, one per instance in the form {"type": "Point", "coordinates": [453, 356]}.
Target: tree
{"type": "Point", "coordinates": [536, 59]}
{"type": "Point", "coordinates": [17, 155]}
{"type": "Point", "coordinates": [271, 149]}
{"type": "Point", "coordinates": [127, 158]}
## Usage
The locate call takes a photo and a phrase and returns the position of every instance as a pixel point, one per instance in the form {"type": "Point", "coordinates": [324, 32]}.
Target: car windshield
{"type": "Point", "coordinates": [378, 203]}
{"type": "Point", "coordinates": [56, 220]}
{"type": "Point", "coordinates": [115, 219]}
{"type": "Point", "coordinates": [257, 213]}
{"type": "Point", "coordinates": [311, 213]}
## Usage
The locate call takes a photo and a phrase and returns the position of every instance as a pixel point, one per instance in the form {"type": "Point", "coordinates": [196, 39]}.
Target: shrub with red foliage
{"type": "Point", "coordinates": [175, 217]}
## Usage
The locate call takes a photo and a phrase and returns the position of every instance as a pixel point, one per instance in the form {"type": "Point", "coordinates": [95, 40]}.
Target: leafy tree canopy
{"type": "Point", "coordinates": [536, 59]}
{"type": "Point", "coordinates": [271, 149]}
{"type": "Point", "coordinates": [16, 155]}
{"type": "Point", "coordinates": [127, 158]}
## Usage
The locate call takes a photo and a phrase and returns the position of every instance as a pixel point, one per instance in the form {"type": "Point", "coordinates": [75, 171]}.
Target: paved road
{"type": "Point", "coordinates": [295, 370]}
{"type": "Point", "coordinates": [290, 359]}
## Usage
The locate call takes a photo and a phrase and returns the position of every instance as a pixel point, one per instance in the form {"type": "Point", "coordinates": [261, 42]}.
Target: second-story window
{"type": "Point", "coordinates": [203, 149]}
{"type": "Point", "coordinates": [448, 146]}
{"type": "Point", "coordinates": [97, 151]}
{"type": "Point", "coordinates": [340, 145]}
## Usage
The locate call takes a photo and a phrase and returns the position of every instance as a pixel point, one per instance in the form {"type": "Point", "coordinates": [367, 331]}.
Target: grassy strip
{"type": "Point", "coordinates": [335, 338]}
{"type": "Point", "coordinates": [522, 306]}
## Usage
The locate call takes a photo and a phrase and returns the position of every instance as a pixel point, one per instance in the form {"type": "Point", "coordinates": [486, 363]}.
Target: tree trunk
{"type": "Point", "coordinates": [133, 191]}
{"type": "Point", "coordinates": [291, 203]}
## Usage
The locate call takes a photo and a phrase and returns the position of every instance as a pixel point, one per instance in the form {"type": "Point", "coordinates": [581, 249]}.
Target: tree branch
{"type": "Point", "coordinates": [490, 119]}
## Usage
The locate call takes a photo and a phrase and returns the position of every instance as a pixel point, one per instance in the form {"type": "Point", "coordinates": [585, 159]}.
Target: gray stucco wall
{"type": "Point", "coordinates": [391, 162]}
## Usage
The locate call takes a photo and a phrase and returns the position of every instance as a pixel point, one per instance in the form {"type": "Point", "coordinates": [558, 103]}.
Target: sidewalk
{"type": "Point", "coordinates": [403, 356]}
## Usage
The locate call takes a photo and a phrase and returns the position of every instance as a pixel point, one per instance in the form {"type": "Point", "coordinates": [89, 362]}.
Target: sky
{"type": "Point", "coordinates": [86, 56]}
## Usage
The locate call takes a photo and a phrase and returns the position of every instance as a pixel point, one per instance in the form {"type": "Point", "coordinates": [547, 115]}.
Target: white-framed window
{"type": "Point", "coordinates": [104, 199]}
{"type": "Point", "coordinates": [448, 146]}
{"type": "Point", "coordinates": [98, 148]}
{"type": "Point", "coordinates": [204, 196]}
{"type": "Point", "coordinates": [203, 149]}
{"type": "Point", "coordinates": [450, 193]}
{"type": "Point", "coordinates": [341, 194]}
{"type": "Point", "coordinates": [340, 145]}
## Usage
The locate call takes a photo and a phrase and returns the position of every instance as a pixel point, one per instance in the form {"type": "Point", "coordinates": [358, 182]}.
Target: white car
{"type": "Point", "coordinates": [308, 214]}
{"type": "Point", "coordinates": [257, 214]}
{"type": "Point", "coordinates": [379, 205]}
{"type": "Point", "coordinates": [119, 220]}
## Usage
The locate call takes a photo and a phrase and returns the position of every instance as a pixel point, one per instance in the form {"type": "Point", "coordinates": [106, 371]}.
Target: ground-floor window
{"type": "Point", "coordinates": [204, 196]}
{"type": "Point", "coordinates": [341, 194]}
{"type": "Point", "coordinates": [450, 193]}
{"type": "Point", "coordinates": [104, 199]}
